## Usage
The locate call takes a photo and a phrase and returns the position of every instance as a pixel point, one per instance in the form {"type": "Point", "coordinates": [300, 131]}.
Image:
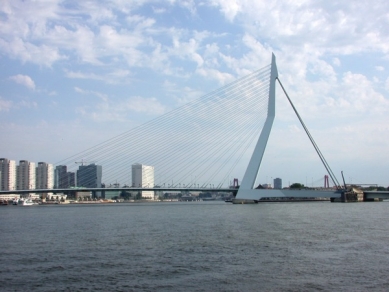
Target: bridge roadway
{"type": "Point", "coordinates": [376, 194]}
{"type": "Point", "coordinates": [263, 192]}
{"type": "Point", "coordinates": [162, 189]}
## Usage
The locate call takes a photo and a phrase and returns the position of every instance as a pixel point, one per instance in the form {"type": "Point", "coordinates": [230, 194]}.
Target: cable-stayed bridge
{"type": "Point", "coordinates": [199, 146]}
{"type": "Point", "coordinates": [203, 144]}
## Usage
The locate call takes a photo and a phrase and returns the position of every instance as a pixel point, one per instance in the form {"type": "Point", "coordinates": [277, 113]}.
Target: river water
{"type": "Point", "coordinates": [195, 246]}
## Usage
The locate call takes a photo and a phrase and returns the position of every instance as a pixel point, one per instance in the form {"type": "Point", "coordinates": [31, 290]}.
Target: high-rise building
{"type": "Point", "coordinates": [71, 179]}
{"type": "Point", "coordinates": [8, 174]}
{"type": "Point", "coordinates": [25, 175]}
{"type": "Point", "coordinates": [143, 177]}
{"type": "Point", "coordinates": [44, 176]}
{"type": "Point", "coordinates": [89, 176]}
{"type": "Point", "coordinates": [277, 183]}
{"type": "Point", "coordinates": [62, 178]}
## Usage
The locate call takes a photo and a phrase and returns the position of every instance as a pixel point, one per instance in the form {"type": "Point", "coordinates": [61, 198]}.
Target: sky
{"type": "Point", "coordinates": [75, 73]}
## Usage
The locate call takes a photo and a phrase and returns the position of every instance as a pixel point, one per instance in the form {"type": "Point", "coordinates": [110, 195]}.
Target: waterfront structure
{"type": "Point", "coordinates": [111, 194]}
{"type": "Point", "coordinates": [10, 197]}
{"type": "Point", "coordinates": [25, 175]}
{"type": "Point", "coordinates": [89, 176]}
{"type": "Point", "coordinates": [62, 178]}
{"type": "Point", "coordinates": [8, 174]}
{"type": "Point", "coordinates": [56, 197]}
{"type": "Point", "coordinates": [143, 177]}
{"type": "Point", "coordinates": [277, 182]}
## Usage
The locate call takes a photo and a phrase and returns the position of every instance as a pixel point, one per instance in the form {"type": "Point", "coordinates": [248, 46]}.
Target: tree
{"type": "Point", "coordinates": [296, 186]}
{"type": "Point", "coordinates": [125, 195]}
{"type": "Point", "coordinates": [138, 196]}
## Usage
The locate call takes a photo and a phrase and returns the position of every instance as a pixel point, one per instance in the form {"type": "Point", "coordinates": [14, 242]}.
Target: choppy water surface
{"type": "Point", "coordinates": [195, 247]}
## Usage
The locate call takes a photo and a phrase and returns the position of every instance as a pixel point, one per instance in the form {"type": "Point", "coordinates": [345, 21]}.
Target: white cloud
{"type": "Point", "coordinates": [158, 10]}
{"type": "Point", "coordinates": [336, 62]}
{"type": "Point", "coordinates": [222, 78]}
{"type": "Point", "coordinates": [80, 75]}
{"type": "Point", "coordinates": [23, 80]}
{"type": "Point", "coordinates": [113, 110]}
{"type": "Point", "coordinates": [112, 77]}
{"type": "Point", "coordinates": [102, 96]}
{"type": "Point", "coordinates": [387, 84]}
{"type": "Point", "coordinates": [181, 95]}
{"type": "Point", "coordinates": [188, 50]}
{"type": "Point", "coordinates": [324, 27]}
{"type": "Point", "coordinates": [27, 52]}
{"type": "Point", "coordinates": [143, 105]}
{"type": "Point", "coordinates": [27, 104]}
{"type": "Point", "coordinates": [358, 93]}
{"type": "Point", "coordinates": [379, 68]}
{"type": "Point", "coordinates": [230, 8]}
{"type": "Point", "coordinates": [5, 105]}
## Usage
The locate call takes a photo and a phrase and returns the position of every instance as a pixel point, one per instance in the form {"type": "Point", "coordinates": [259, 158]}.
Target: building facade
{"type": "Point", "coordinates": [143, 177]}
{"type": "Point", "coordinates": [277, 183]}
{"type": "Point", "coordinates": [25, 175]}
{"type": "Point", "coordinates": [71, 176]}
{"type": "Point", "coordinates": [89, 176]}
{"type": "Point", "coordinates": [62, 178]}
{"type": "Point", "coordinates": [8, 174]}
{"type": "Point", "coordinates": [44, 176]}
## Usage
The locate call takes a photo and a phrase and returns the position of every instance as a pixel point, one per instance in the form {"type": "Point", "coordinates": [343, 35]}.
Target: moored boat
{"type": "Point", "coordinates": [25, 202]}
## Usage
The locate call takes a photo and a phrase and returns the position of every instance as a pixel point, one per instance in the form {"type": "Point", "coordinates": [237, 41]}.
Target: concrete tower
{"type": "Point", "coordinates": [143, 177]}
{"type": "Point", "coordinates": [44, 176]}
{"type": "Point", "coordinates": [277, 183]}
{"type": "Point", "coordinates": [25, 175]}
{"type": "Point", "coordinates": [8, 174]}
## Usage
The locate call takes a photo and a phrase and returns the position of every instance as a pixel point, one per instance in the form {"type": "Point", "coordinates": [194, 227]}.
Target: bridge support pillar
{"type": "Point", "coordinates": [349, 196]}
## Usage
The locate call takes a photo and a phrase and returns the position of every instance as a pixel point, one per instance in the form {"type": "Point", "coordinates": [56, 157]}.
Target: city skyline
{"type": "Point", "coordinates": [77, 74]}
{"type": "Point", "coordinates": [58, 177]}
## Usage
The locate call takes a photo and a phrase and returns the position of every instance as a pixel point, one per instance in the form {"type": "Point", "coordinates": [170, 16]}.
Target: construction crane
{"type": "Point", "coordinates": [82, 162]}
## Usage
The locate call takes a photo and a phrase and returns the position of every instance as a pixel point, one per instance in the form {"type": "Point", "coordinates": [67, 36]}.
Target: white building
{"type": "Point", "coordinates": [25, 175]}
{"type": "Point", "coordinates": [277, 183]}
{"type": "Point", "coordinates": [10, 197]}
{"type": "Point", "coordinates": [8, 174]}
{"type": "Point", "coordinates": [143, 177]}
{"type": "Point", "coordinates": [45, 177]}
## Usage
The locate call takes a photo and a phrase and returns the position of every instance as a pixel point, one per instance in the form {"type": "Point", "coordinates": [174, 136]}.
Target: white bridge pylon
{"type": "Point", "coordinates": [247, 189]}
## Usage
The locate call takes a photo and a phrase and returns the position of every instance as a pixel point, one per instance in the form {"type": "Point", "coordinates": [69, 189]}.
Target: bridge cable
{"type": "Point", "coordinates": [326, 165]}
{"type": "Point", "coordinates": [109, 153]}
